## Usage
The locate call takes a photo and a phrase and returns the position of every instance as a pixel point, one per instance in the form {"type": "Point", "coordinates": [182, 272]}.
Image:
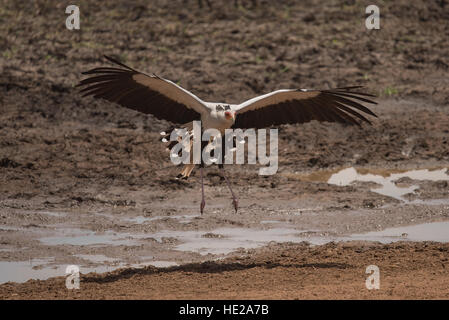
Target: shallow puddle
{"type": "Point", "coordinates": [53, 214]}
{"type": "Point", "coordinates": [159, 264]}
{"type": "Point", "coordinates": [79, 237]}
{"type": "Point", "coordinates": [216, 242]}
{"type": "Point", "coordinates": [21, 271]}
{"type": "Point", "coordinates": [180, 218]}
{"type": "Point", "coordinates": [96, 258]}
{"type": "Point", "coordinates": [226, 240]}
{"type": "Point", "coordinates": [385, 178]}
{"type": "Point", "coordinates": [221, 241]}
{"type": "Point", "coordinates": [435, 231]}
{"type": "Point", "coordinates": [41, 269]}
{"type": "Point", "coordinates": [270, 222]}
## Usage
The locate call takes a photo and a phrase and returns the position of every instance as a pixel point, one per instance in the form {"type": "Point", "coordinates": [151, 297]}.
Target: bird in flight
{"type": "Point", "coordinates": [166, 100]}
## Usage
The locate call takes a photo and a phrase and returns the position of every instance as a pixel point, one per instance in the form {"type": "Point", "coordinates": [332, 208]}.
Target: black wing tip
{"type": "Point", "coordinates": [88, 72]}
{"type": "Point", "coordinates": [348, 94]}
{"type": "Point", "coordinates": [350, 90]}
{"type": "Point", "coordinates": [105, 70]}
{"type": "Point", "coordinates": [111, 59]}
{"type": "Point", "coordinates": [367, 121]}
{"type": "Point", "coordinates": [116, 61]}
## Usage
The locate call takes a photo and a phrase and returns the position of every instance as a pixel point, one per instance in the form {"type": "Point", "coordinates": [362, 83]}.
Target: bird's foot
{"type": "Point", "coordinates": [236, 204]}
{"type": "Point", "coordinates": [203, 203]}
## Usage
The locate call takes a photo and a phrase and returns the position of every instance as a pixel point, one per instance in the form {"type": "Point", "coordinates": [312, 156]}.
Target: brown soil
{"type": "Point", "coordinates": [331, 271]}
{"type": "Point", "coordinates": [99, 164]}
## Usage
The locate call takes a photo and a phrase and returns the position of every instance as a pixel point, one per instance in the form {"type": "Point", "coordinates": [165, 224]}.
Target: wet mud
{"type": "Point", "coordinates": [88, 183]}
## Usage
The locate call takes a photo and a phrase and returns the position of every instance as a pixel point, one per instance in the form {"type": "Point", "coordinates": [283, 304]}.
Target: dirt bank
{"type": "Point", "coordinates": [287, 271]}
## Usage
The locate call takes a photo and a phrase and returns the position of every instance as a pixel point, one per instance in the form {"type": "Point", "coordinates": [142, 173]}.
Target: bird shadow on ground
{"type": "Point", "coordinates": [207, 267]}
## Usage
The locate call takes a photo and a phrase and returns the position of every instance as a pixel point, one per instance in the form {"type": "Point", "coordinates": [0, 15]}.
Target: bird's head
{"type": "Point", "coordinates": [229, 115]}
{"type": "Point", "coordinates": [225, 112]}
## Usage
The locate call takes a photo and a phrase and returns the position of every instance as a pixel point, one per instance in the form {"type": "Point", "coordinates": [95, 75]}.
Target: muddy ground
{"type": "Point", "coordinates": [278, 271]}
{"type": "Point", "coordinates": [77, 168]}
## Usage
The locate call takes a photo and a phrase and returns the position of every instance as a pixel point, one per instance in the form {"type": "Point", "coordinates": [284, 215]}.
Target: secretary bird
{"type": "Point", "coordinates": [166, 100]}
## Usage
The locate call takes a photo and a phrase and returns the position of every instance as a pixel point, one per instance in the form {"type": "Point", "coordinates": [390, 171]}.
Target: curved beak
{"type": "Point", "coordinates": [229, 115]}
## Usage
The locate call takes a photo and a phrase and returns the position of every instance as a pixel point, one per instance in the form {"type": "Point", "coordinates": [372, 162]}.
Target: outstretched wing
{"type": "Point", "coordinates": [148, 94]}
{"type": "Point", "coordinates": [300, 105]}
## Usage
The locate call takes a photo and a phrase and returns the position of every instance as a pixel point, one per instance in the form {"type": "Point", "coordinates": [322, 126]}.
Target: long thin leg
{"type": "Point", "coordinates": [203, 203]}
{"type": "Point", "coordinates": [235, 202]}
